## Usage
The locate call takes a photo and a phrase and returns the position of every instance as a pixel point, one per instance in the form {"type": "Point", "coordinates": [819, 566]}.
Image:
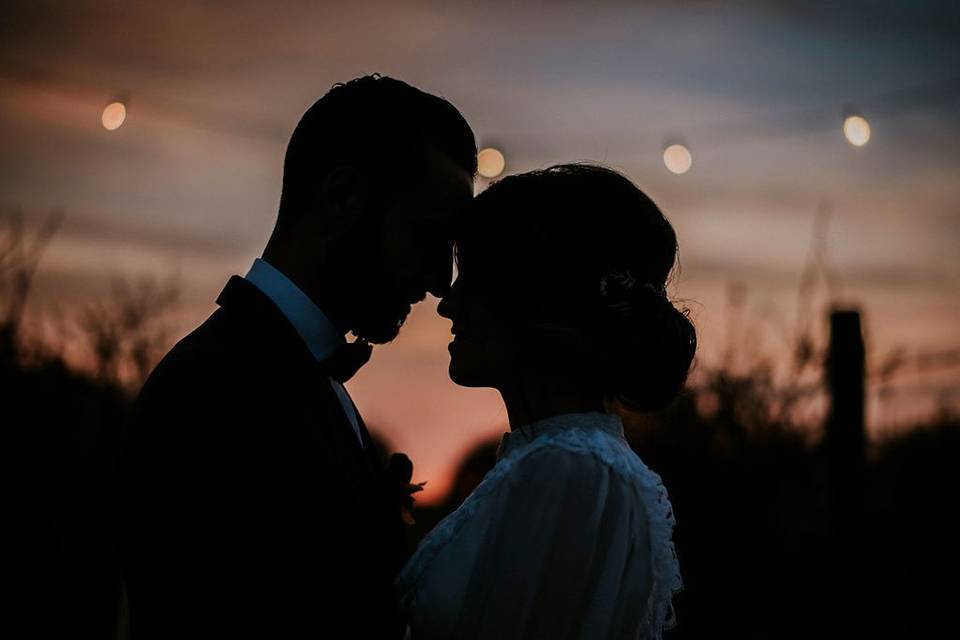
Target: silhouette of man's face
{"type": "Point", "coordinates": [416, 248]}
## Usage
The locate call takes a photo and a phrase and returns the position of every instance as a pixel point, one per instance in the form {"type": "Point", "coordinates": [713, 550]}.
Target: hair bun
{"type": "Point", "coordinates": [646, 344]}
{"type": "Point", "coordinates": [624, 294]}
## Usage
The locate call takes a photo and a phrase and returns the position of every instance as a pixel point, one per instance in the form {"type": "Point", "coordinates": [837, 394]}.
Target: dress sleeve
{"type": "Point", "coordinates": [566, 554]}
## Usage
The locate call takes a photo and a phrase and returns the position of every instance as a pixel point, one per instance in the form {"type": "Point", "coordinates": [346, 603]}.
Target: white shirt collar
{"type": "Point", "coordinates": [314, 328]}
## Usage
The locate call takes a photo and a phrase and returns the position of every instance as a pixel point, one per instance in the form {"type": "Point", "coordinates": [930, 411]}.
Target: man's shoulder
{"type": "Point", "coordinates": [196, 390]}
{"type": "Point", "coordinates": [207, 365]}
{"type": "Point", "coordinates": [204, 351]}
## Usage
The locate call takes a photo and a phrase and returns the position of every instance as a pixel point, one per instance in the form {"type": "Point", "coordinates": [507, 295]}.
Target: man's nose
{"type": "Point", "coordinates": [445, 308]}
{"type": "Point", "coordinates": [439, 290]}
{"type": "Point", "coordinates": [440, 276]}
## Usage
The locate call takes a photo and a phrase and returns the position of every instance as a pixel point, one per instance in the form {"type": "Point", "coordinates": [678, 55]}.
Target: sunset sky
{"type": "Point", "coordinates": [188, 186]}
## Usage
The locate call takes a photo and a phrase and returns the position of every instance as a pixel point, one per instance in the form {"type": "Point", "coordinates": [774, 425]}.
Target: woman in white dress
{"type": "Point", "coordinates": [559, 304]}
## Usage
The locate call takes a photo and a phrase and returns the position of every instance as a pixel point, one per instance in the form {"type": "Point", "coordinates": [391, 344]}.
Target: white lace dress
{"type": "Point", "coordinates": [568, 536]}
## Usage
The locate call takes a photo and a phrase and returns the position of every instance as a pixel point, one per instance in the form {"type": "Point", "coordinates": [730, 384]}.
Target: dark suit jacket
{"type": "Point", "coordinates": [249, 506]}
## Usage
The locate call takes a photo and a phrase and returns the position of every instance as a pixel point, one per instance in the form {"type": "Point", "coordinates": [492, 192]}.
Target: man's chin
{"type": "Point", "coordinates": [383, 328]}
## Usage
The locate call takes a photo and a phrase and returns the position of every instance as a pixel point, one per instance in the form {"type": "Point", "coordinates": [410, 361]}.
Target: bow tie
{"type": "Point", "coordinates": [347, 359]}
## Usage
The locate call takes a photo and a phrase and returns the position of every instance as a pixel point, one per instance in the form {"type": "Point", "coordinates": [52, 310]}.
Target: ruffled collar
{"type": "Point", "coordinates": [523, 436]}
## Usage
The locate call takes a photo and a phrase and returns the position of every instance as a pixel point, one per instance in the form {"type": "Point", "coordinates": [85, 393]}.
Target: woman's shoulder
{"type": "Point", "coordinates": [569, 441]}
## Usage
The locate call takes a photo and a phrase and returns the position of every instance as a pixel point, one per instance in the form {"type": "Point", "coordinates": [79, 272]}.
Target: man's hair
{"type": "Point", "coordinates": [378, 125]}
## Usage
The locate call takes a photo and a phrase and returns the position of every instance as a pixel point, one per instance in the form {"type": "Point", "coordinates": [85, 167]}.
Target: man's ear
{"type": "Point", "coordinates": [342, 197]}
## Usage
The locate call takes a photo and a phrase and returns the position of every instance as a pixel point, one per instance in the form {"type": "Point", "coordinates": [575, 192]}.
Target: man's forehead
{"type": "Point", "coordinates": [447, 174]}
{"type": "Point", "coordinates": [446, 209]}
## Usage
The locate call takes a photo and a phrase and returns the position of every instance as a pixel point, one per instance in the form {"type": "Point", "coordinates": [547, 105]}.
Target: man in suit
{"type": "Point", "coordinates": [254, 499]}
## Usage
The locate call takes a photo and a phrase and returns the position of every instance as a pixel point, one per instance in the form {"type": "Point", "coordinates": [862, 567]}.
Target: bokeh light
{"type": "Point", "coordinates": [113, 116]}
{"type": "Point", "coordinates": [490, 163]}
{"type": "Point", "coordinates": [677, 158]}
{"type": "Point", "coordinates": [857, 130]}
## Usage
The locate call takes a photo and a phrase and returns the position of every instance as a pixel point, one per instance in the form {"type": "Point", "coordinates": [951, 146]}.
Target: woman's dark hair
{"type": "Point", "coordinates": [378, 124]}
{"type": "Point", "coordinates": [580, 258]}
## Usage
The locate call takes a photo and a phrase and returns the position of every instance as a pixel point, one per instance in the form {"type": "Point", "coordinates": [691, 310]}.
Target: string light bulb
{"type": "Point", "coordinates": [490, 162]}
{"type": "Point", "coordinates": [677, 158]}
{"type": "Point", "coordinates": [856, 130]}
{"type": "Point", "coordinates": [113, 116]}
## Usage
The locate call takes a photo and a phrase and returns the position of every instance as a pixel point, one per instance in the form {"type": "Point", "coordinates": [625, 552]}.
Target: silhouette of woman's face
{"type": "Point", "coordinates": [483, 352]}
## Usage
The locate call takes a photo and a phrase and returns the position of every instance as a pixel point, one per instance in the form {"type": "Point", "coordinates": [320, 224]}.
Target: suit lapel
{"type": "Point", "coordinates": [338, 421]}
{"type": "Point", "coordinates": [262, 327]}
{"type": "Point", "coordinates": [278, 347]}
{"type": "Point", "coordinates": [369, 447]}
{"type": "Point", "coordinates": [287, 363]}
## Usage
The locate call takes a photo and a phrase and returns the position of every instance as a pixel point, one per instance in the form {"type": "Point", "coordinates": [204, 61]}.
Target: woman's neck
{"type": "Point", "coordinates": [530, 402]}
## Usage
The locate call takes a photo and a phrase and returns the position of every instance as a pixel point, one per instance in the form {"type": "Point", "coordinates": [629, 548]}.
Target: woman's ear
{"type": "Point", "coordinates": [558, 354]}
{"type": "Point", "coordinates": [572, 342]}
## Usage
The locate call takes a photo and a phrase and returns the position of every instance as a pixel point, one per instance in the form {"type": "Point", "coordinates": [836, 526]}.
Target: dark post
{"type": "Point", "coordinates": [845, 459]}
{"type": "Point", "coordinates": [845, 433]}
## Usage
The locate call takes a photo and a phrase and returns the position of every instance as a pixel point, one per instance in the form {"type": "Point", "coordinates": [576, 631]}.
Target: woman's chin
{"type": "Point", "coordinates": [474, 364]}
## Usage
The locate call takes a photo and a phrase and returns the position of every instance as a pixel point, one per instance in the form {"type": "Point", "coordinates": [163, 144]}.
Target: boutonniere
{"type": "Point", "coordinates": [399, 474]}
